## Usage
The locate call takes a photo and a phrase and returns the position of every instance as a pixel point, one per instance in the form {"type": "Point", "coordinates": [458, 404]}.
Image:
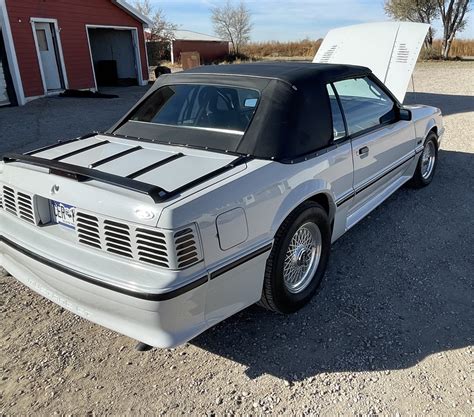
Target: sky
{"type": "Point", "coordinates": [288, 19]}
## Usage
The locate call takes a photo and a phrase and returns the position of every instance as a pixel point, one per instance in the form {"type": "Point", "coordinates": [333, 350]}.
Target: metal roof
{"type": "Point", "coordinates": [189, 35]}
{"type": "Point", "coordinates": [132, 11]}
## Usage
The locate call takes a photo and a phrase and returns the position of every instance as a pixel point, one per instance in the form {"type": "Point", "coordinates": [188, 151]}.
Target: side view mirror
{"type": "Point", "coordinates": [405, 114]}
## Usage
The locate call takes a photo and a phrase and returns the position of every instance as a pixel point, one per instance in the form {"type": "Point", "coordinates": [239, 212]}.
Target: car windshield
{"type": "Point", "coordinates": [210, 107]}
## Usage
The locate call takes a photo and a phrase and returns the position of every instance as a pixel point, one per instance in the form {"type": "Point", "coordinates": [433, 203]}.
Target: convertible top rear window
{"type": "Point", "coordinates": [229, 109]}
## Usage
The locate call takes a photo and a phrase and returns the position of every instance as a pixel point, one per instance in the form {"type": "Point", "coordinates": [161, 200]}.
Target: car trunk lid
{"type": "Point", "coordinates": [162, 172]}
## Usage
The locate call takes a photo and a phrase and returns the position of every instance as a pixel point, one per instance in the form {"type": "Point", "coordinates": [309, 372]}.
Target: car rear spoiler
{"type": "Point", "coordinates": [82, 174]}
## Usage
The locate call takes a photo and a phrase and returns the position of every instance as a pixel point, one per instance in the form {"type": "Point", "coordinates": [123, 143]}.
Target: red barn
{"type": "Point", "coordinates": [209, 47]}
{"type": "Point", "coordinates": [47, 46]}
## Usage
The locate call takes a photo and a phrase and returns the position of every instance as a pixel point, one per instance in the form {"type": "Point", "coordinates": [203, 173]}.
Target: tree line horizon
{"type": "Point", "coordinates": [232, 21]}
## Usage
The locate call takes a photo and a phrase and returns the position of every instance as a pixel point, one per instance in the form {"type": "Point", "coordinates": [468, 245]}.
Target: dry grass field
{"type": "Point", "coordinates": [390, 333]}
{"type": "Point", "coordinates": [460, 47]}
{"type": "Point", "coordinates": [259, 50]}
{"type": "Point", "coordinates": [306, 49]}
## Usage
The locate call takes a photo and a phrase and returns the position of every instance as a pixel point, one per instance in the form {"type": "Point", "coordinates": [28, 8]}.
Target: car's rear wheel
{"type": "Point", "coordinates": [298, 259]}
{"type": "Point", "coordinates": [426, 166]}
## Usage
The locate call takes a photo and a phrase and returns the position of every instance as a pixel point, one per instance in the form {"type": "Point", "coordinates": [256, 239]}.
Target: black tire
{"type": "Point", "coordinates": [418, 180]}
{"type": "Point", "coordinates": [275, 295]}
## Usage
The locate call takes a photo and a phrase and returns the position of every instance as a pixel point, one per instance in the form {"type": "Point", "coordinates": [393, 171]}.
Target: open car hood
{"type": "Point", "coordinates": [389, 49]}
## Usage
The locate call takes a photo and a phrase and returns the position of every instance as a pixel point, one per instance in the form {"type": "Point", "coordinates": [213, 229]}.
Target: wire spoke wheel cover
{"type": "Point", "coordinates": [302, 257]}
{"type": "Point", "coordinates": [428, 160]}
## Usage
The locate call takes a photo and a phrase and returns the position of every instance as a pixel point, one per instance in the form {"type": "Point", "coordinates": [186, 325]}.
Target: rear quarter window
{"type": "Point", "coordinates": [339, 130]}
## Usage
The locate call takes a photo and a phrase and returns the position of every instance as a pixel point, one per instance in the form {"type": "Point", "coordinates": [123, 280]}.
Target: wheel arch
{"type": "Point", "coordinates": [430, 126]}
{"type": "Point", "coordinates": [322, 196]}
{"type": "Point", "coordinates": [434, 129]}
{"type": "Point", "coordinates": [275, 294]}
{"type": "Point", "coordinates": [427, 119]}
{"type": "Point", "coordinates": [329, 205]}
{"type": "Point", "coordinates": [326, 201]}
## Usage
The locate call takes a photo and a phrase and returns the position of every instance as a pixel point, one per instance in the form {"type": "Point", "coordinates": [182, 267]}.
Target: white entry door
{"type": "Point", "coordinates": [48, 55]}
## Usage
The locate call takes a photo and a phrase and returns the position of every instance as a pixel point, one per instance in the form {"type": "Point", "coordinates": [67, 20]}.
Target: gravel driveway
{"type": "Point", "coordinates": [47, 120]}
{"type": "Point", "coordinates": [391, 330]}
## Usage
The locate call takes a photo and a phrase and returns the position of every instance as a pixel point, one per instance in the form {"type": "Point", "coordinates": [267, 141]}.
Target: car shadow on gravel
{"type": "Point", "coordinates": [398, 288]}
{"type": "Point", "coordinates": [448, 103]}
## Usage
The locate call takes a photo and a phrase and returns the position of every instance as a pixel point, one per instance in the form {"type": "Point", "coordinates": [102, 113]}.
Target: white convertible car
{"type": "Point", "coordinates": [224, 186]}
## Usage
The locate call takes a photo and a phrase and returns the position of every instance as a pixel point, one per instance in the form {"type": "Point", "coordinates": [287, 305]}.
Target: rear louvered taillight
{"type": "Point", "coordinates": [9, 200]}
{"type": "Point", "coordinates": [186, 247]}
{"type": "Point", "coordinates": [19, 204]}
{"type": "Point", "coordinates": [117, 238]}
{"type": "Point", "coordinates": [88, 231]}
{"type": "Point", "coordinates": [151, 247]}
{"type": "Point", "coordinates": [162, 248]}
{"type": "Point", "coordinates": [25, 207]}
{"type": "Point", "coordinates": [159, 247]}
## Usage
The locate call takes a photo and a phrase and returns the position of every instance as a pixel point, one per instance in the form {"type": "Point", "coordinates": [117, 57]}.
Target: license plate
{"type": "Point", "coordinates": [64, 214]}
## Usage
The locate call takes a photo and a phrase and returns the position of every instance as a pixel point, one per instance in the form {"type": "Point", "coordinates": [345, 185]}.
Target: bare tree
{"type": "Point", "coordinates": [144, 7]}
{"type": "Point", "coordinates": [422, 11]}
{"type": "Point", "coordinates": [232, 23]}
{"type": "Point", "coordinates": [453, 15]}
{"type": "Point", "coordinates": [161, 29]}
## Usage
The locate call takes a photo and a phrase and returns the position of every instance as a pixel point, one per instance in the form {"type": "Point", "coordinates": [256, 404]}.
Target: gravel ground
{"type": "Point", "coordinates": [47, 120]}
{"type": "Point", "coordinates": [390, 332]}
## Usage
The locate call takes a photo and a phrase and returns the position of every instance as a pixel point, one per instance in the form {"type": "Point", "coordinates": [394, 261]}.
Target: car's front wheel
{"type": "Point", "coordinates": [298, 259]}
{"type": "Point", "coordinates": [426, 167]}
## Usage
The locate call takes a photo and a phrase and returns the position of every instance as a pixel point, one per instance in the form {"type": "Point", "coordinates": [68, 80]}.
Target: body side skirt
{"type": "Point", "coordinates": [372, 182]}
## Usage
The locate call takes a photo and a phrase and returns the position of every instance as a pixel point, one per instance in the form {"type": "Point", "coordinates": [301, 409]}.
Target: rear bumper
{"type": "Point", "coordinates": [158, 319]}
{"type": "Point", "coordinates": [163, 317]}
{"type": "Point", "coordinates": [150, 296]}
{"type": "Point", "coordinates": [160, 307]}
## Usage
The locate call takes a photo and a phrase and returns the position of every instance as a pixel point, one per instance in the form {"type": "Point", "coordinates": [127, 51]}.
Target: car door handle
{"type": "Point", "coordinates": [364, 151]}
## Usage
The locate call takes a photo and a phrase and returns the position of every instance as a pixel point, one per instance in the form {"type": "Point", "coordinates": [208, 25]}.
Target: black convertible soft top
{"type": "Point", "coordinates": [293, 117]}
{"type": "Point", "coordinates": [290, 72]}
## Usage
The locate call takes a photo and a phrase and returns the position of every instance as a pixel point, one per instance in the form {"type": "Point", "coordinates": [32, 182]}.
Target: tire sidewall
{"type": "Point", "coordinates": [289, 302]}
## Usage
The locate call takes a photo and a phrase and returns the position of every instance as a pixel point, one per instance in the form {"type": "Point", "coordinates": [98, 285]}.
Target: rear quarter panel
{"type": "Point", "coordinates": [268, 192]}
